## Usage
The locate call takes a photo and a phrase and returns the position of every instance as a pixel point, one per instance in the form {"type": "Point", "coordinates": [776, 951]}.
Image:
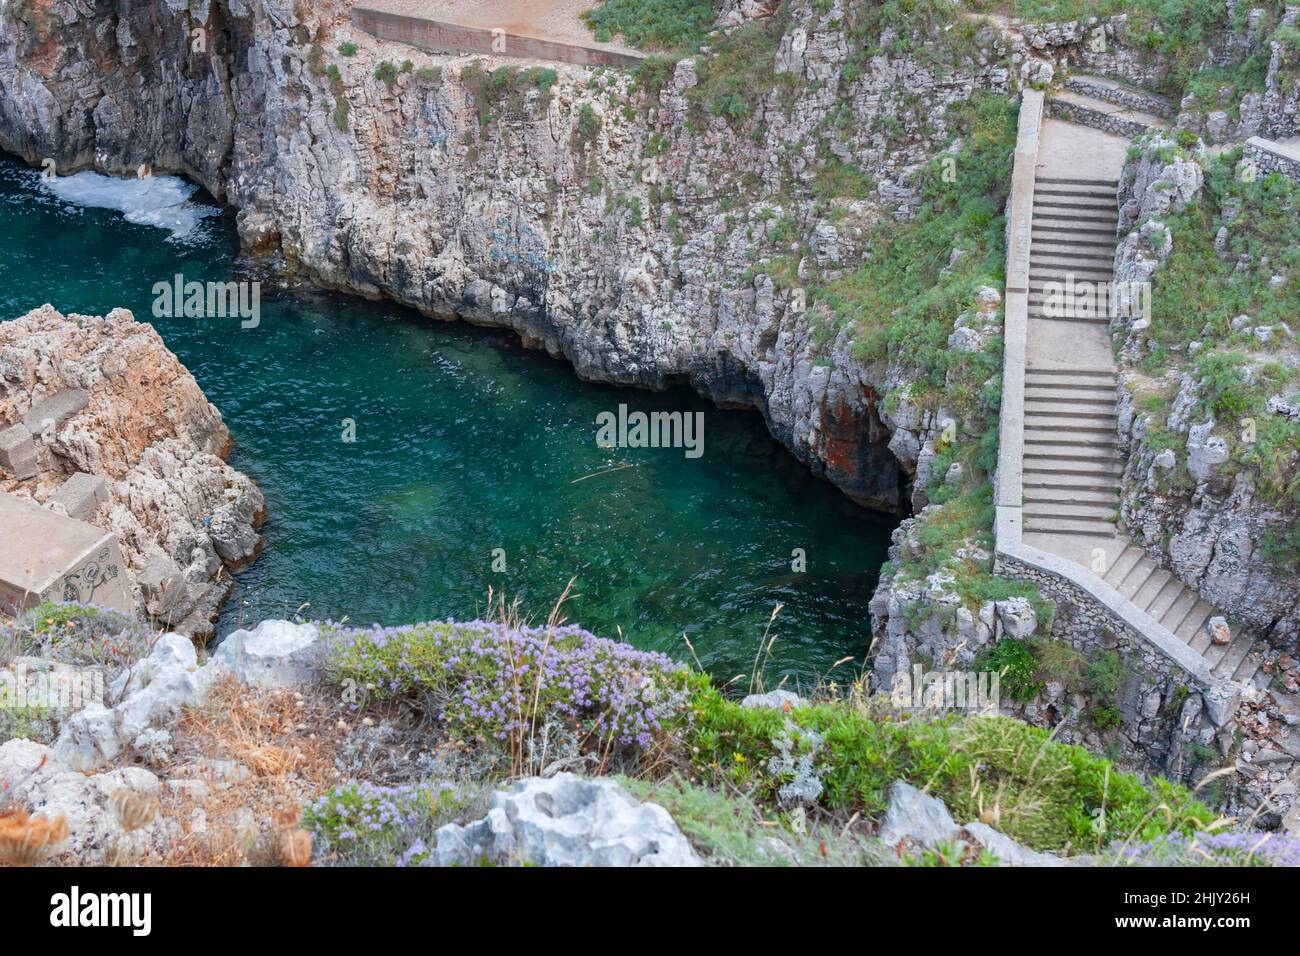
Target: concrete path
{"type": "Point", "coordinates": [535, 29]}
{"type": "Point", "coordinates": [1072, 465]}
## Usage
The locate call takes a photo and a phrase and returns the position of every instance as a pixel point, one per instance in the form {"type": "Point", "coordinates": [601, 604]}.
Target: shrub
{"type": "Point", "coordinates": [386, 72]}
{"type": "Point", "coordinates": [362, 824]}
{"type": "Point", "coordinates": [652, 24]}
{"type": "Point", "coordinates": [76, 634]}
{"type": "Point", "coordinates": [1013, 776]}
{"type": "Point", "coordinates": [348, 48]}
{"type": "Point", "coordinates": [1016, 663]}
{"type": "Point", "coordinates": [501, 685]}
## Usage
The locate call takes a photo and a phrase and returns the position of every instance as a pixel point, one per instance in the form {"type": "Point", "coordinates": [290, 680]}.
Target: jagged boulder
{"type": "Point", "coordinates": [567, 821]}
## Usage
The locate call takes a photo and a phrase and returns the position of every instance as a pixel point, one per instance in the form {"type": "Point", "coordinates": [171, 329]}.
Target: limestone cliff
{"type": "Point", "coordinates": [617, 221]}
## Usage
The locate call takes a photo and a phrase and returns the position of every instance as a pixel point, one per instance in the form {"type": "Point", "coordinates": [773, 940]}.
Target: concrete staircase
{"type": "Point", "coordinates": [1072, 466]}
{"type": "Point", "coordinates": [1165, 599]}
{"type": "Point", "coordinates": [1110, 106]}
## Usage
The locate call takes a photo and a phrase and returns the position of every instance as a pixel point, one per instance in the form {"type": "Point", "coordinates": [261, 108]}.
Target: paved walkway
{"type": "Point", "coordinates": [1072, 465]}
{"type": "Point", "coordinates": [550, 21]}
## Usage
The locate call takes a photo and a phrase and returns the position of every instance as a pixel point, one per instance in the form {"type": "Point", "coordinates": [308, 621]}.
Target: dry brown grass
{"type": "Point", "coordinates": [286, 740]}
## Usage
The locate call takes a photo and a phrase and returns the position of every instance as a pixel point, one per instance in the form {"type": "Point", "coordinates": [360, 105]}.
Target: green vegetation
{"type": "Point", "coordinates": [1235, 367]}
{"type": "Point", "coordinates": [679, 25]}
{"type": "Point", "coordinates": [498, 689]}
{"type": "Point", "coordinates": [386, 72]}
{"type": "Point", "coordinates": [341, 107]}
{"type": "Point", "coordinates": [1045, 794]}
{"type": "Point", "coordinates": [348, 48]}
{"type": "Point", "coordinates": [1017, 666]}
{"type": "Point", "coordinates": [740, 72]}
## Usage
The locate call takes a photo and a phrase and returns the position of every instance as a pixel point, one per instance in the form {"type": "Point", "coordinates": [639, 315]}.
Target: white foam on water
{"type": "Point", "coordinates": [161, 201]}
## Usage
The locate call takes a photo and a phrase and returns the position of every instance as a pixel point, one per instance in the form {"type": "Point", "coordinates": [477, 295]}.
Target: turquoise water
{"type": "Point", "coordinates": [466, 443]}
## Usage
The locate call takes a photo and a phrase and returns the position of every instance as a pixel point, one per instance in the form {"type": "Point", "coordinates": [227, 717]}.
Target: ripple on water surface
{"type": "Point", "coordinates": [465, 443]}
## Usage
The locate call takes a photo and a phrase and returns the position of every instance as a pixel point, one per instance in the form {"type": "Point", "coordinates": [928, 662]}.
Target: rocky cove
{"type": "Point", "coordinates": [646, 229]}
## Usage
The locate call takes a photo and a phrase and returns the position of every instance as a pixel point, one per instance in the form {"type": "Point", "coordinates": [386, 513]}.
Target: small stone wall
{"type": "Point", "coordinates": [1163, 709]}
{"type": "Point", "coordinates": [1269, 157]}
{"type": "Point", "coordinates": [1106, 122]}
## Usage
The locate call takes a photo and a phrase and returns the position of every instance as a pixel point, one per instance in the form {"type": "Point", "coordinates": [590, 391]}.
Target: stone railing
{"type": "Point", "coordinates": [436, 36]}
{"type": "Point", "coordinates": [1097, 605]}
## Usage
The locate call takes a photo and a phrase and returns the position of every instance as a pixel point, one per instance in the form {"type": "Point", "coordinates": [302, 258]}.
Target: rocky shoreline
{"type": "Point", "coordinates": [184, 519]}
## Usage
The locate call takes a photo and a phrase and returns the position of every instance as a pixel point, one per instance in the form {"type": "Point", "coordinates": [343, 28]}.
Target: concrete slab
{"type": "Point", "coordinates": [81, 495]}
{"type": "Point", "coordinates": [44, 555]}
{"type": "Point", "coordinates": [18, 452]}
{"type": "Point", "coordinates": [57, 408]}
{"type": "Point", "coordinates": [533, 29]}
{"type": "Point", "coordinates": [1069, 151]}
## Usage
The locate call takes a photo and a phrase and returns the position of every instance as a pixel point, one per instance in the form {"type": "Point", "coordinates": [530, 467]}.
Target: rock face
{"type": "Point", "coordinates": [1206, 523]}
{"type": "Point", "coordinates": [567, 821]}
{"type": "Point", "coordinates": [623, 241]}
{"type": "Point", "coordinates": [126, 440]}
{"type": "Point", "coordinates": [273, 654]}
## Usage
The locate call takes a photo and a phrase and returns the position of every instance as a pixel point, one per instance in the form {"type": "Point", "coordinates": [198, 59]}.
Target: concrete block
{"type": "Point", "coordinates": [57, 408]}
{"type": "Point", "coordinates": [49, 556]}
{"type": "Point", "coordinates": [81, 495]}
{"type": "Point", "coordinates": [18, 452]}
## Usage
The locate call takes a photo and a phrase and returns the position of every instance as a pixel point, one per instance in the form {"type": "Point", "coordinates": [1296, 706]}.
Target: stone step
{"type": "Point", "coordinates": [1193, 629]}
{"type": "Point", "coordinates": [1049, 453]}
{"type": "Point", "coordinates": [1166, 599]}
{"type": "Point", "coordinates": [1071, 510]}
{"type": "Point", "coordinates": [1042, 403]}
{"type": "Point", "coordinates": [1073, 526]}
{"type": "Point", "coordinates": [1066, 392]}
{"type": "Point", "coordinates": [1090, 191]}
{"type": "Point", "coordinates": [1100, 219]}
{"type": "Point", "coordinates": [1137, 578]}
{"type": "Point", "coordinates": [1073, 496]}
{"type": "Point", "coordinates": [1048, 371]}
{"type": "Point", "coordinates": [1076, 201]}
{"type": "Point", "coordinates": [1101, 114]}
{"type": "Point", "coordinates": [1055, 181]}
{"type": "Point", "coordinates": [1070, 482]}
{"type": "Point", "coordinates": [1120, 94]}
{"type": "Point", "coordinates": [1097, 474]}
{"type": "Point", "coordinates": [1104, 425]}
{"type": "Point", "coordinates": [1150, 589]}
{"type": "Point", "coordinates": [1095, 408]}
{"type": "Point", "coordinates": [1175, 614]}
{"type": "Point", "coordinates": [1097, 249]}
{"type": "Point", "coordinates": [1250, 664]}
{"type": "Point", "coordinates": [1067, 261]}
{"type": "Point", "coordinates": [1067, 378]}
{"type": "Point", "coordinates": [1038, 440]}
{"type": "Point", "coordinates": [1090, 320]}
{"type": "Point", "coordinates": [1234, 654]}
{"type": "Point", "coordinates": [1122, 565]}
{"type": "Point", "coordinates": [1081, 233]}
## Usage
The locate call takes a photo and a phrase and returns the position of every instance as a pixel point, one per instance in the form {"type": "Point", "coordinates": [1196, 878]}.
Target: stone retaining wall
{"type": "Point", "coordinates": [1269, 157]}
{"type": "Point", "coordinates": [434, 36]}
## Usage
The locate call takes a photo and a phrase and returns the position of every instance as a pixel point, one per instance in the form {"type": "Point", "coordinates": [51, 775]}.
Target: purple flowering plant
{"type": "Point", "coordinates": [363, 824]}
{"type": "Point", "coordinates": [1230, 848]}
{"type": "Point", "coordinates": [500, 683]}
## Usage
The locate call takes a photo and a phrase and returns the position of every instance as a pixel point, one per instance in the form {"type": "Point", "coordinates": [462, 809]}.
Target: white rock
{"type": "Point", "coordinates": [776, 699]}
{"type": "Point", "coordinates": [33, 777]}
{"type": "Point", "coordinates": [1017, 617]}
{"type": "Point", "coordinates": [916, 816]}
{"type": "Point", "coordinates": [150, 694]}
{"type": "Point", "coordinates": [274, 654]}
{"type": "Point", "coordinates": [567, 821]}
